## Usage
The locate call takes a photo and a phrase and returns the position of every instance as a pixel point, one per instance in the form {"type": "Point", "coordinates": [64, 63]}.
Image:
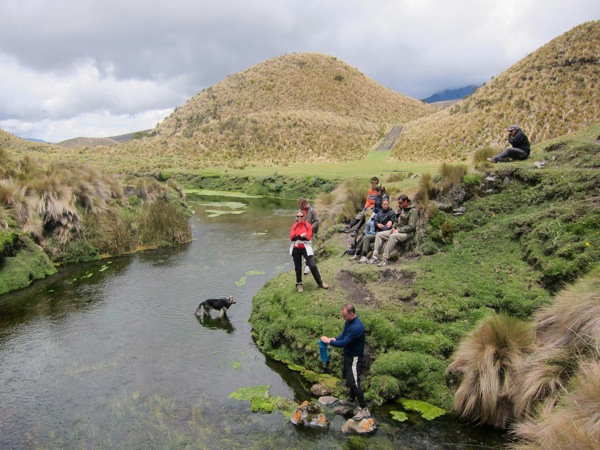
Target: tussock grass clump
{"type": "Point", "coordinates": [77, 213]}
{"type": "Point", "coordinates": [574, 425]}
{"type": "Point", "coordinates": [485, 367]}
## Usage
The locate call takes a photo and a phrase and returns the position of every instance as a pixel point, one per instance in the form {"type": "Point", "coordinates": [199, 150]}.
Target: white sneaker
{"type": "Point", "coordinates": [363, 413]}
{"type": "Point", "coordinates": [374, 260]}
{"type": "Point", "coordinates": [363, 260]}
{"type": "Point", "coordinates": [384, 262]}
{"type": "Point", "coordinates": [306, 270]}
{"type": "Point", "coordinates": [355, 257]}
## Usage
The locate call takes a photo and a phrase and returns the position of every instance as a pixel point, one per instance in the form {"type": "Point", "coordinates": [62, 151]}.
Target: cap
{"type": "Point", "coordinates": [513, 127]}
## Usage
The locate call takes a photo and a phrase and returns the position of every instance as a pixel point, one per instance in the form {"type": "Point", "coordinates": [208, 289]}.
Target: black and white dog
{"type": "Point", "coordinates": [220, 304]}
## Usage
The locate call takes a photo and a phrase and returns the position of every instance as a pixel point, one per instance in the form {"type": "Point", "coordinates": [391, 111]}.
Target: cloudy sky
{"type": "Point", "coordinates": [100, 68]}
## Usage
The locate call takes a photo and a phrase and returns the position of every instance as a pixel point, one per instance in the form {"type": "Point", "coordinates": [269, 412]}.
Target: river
{"type": "Point", "coordinates": [111, 355]}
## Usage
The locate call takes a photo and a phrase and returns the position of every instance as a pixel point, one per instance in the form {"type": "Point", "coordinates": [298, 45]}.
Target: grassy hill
{"type": "Point", "coordinates": [294, 108]}
{"type": "Point", "coordinates": [551, 92]}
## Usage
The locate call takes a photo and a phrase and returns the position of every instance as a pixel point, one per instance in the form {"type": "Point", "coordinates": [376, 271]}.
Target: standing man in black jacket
{"type": "Point", "coordinates": [519, 146]}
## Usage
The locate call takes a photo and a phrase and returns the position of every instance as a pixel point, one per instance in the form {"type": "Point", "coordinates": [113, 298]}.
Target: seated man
{"type": "Point", "coordinates": [383, 222]}
{"type": "Point", "coordinates": [406, 226]}
{"type": "Point", "coordinates": [519, 146]}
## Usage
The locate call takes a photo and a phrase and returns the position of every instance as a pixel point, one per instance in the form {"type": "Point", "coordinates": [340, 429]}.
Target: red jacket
{"type": "Point", "coordinates": [298, 228]}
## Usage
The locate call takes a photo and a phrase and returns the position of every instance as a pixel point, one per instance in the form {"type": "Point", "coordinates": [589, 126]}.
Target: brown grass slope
{"type": "Point", "coordinates": [551, 92]}
{"type": "Point", "coordinates": [296, 107]}
{"type": "Point", "coordinates": [87, 142]}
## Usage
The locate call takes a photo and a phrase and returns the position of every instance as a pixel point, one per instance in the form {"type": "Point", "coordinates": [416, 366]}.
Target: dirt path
{"type": "Point", "coordinates": [389, 139]}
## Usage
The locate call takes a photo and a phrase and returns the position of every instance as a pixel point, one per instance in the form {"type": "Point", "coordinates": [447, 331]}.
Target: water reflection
{"type": "Point", "coordinates": [216, 323]}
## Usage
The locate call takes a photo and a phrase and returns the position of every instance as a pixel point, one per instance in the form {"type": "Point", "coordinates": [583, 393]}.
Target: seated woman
{"type": "Point", "coordinates": [377, 208]}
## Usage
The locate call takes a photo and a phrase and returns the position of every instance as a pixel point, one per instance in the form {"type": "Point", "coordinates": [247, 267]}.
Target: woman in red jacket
{"type": "Point", "coordinates": [301, 247]}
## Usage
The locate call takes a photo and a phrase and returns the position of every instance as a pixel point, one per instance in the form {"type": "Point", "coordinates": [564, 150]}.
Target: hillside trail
{"type": "Point", "coordinates": [389, 140]}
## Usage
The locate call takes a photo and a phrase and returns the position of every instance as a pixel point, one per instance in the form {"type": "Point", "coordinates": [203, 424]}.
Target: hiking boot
{"type": "Point", "coordinates": [347, 402]}
{"type": "Point", "coordinates": [363, 413]}
{"type": "Point", "coordinates": [384, 262]}
{"type": "Point", "coordinates": [374, 260]}
{"type": "Point", "coordinates": [355, 257]}
{"type": "Point", "coordinates": [363, 260]}
{"type": "Point", "coordinates": [492, 160]}
{"type": "Point", "coordinates": [324, 286]}
{"type": "Point", "coordinates": [300, 288]}
{"type": "Point", "coordinates": [306, 270]}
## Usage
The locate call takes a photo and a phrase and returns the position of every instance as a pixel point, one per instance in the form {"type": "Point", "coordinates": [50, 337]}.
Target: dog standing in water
{"type": "Point", "coordinates": [220, 304]}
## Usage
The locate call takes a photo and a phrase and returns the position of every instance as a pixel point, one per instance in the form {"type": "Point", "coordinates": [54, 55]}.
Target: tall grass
{"type": "Point", "coordinates": [485, 368]}
{"type": "Point", "coordinates": [77, 212]}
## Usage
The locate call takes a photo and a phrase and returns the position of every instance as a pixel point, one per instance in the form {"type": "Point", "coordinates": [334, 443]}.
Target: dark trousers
{"type": "Point", "coordinates": [297, 255]}
{"type": "Point", "coordinates": [353, 368]}
{"type": "Point", "coordinates": [511, 153]}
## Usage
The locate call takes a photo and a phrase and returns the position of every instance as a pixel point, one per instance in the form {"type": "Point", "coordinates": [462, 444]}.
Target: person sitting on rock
{"type": "Point", "coordinates": [519, 146]}
{"type": "Point", "coordinates": [406, 226]}
{"type": "Point", "coordinates": [383, 222]}
{"type": "Point", "coordinates": [381, 196]}
{"type": "Point", "coordinates": [359, 219]}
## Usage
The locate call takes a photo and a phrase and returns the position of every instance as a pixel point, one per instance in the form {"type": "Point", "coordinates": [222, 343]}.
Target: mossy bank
{"type": "Point", "coordinates": [526, 233]}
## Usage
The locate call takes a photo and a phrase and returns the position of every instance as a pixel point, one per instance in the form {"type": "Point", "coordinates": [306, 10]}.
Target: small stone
{"type": "Point", "coordinates": [327, 400]}
{"type": "Point", "coordinates": [321, 389]}
{"type": "Point", "coordinates": [343, 410]}
{"type": "Point", "coordinates": [365, 426]}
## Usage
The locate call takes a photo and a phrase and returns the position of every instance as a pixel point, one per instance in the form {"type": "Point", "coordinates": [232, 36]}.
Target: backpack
{"type": "Point", "coordinates": [356, 244]}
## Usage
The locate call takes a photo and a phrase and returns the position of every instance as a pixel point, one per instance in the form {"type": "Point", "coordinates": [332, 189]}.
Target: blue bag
{"type": "Point", "coordinates": [325, 350]}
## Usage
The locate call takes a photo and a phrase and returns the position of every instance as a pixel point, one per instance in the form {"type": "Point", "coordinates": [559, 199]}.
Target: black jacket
{"type": "Point", "coordinates": [520, 141]}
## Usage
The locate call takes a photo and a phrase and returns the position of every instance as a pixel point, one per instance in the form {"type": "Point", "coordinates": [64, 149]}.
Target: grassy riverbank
{"type": "Point", "coordinates": [526, 233]}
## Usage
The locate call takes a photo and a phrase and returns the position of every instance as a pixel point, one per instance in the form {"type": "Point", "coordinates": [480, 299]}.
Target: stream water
{"type": "Point", "coordinates": [110, 354]}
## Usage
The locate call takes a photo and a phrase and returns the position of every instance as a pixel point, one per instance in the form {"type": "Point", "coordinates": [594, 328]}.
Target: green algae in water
{"type": "Point", "coordinates": [241, 281]}
{"type": "Point", "coordinates": [237, 365]}
{"type": "Point", "coordinates": [217, 213]}
{"type": "Point", "coordinates": [427, 410]}
{"type": "Point", "coordinates": [248, 393]}
{"type": "Point", "coordinates": [255, 272]}
{"type": "Point", "coordinates": [400, 416]}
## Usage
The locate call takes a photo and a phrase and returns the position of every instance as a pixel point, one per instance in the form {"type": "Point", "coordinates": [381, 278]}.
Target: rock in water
{"type": "Point", "coordinates": [309, 414]}
{"type": "Point", "coordinates": [365, 426]}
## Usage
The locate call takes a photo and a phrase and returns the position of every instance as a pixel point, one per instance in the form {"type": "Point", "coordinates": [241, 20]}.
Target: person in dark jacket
{"type": "Point", "coordinates": [381, 196]}
{"type": "Point", "coordinates": [384, 220]}
{"type": "Point", "coordinates": [519, 146]}
{"type": "Point", "coordinates": [352, 340]}
{"type": "Point", "coordinates": [405, 229]}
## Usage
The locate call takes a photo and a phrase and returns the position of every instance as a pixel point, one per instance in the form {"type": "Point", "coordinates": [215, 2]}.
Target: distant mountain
{"type": "Point", "coordinates": [451, 94]}
{"type": "Point", "coordinates": [34, 140]}
{"type": "Point", "coordinates": [101, 142]}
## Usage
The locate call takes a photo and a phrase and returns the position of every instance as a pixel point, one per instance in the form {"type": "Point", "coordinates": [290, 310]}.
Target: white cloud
{"type": "Point", "coordinates": [82, 67]}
